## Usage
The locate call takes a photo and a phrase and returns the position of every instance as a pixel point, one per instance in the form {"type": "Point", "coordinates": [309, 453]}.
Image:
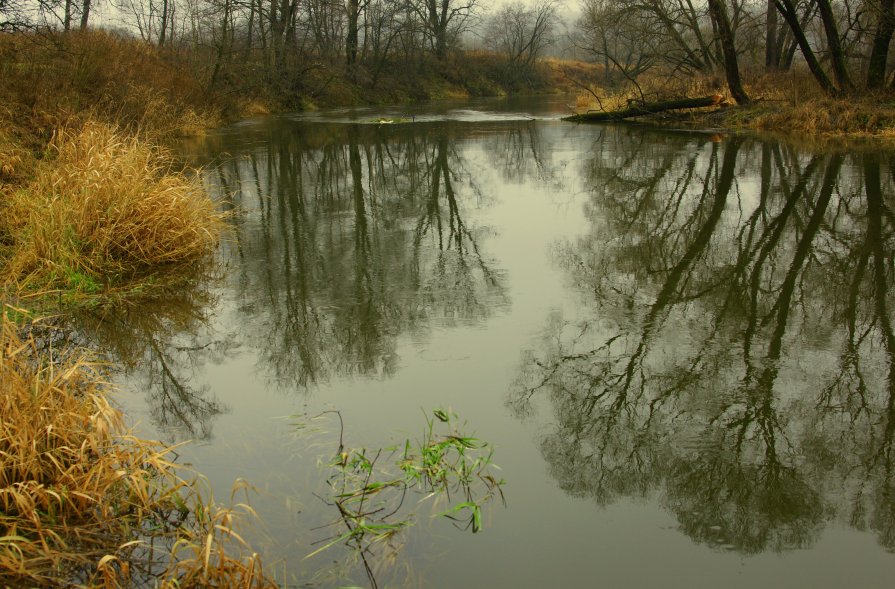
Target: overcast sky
{"type": "Point", "coordinates": [104, 13]}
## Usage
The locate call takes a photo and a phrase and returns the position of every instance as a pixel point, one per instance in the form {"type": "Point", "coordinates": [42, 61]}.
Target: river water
{"type": "Point", "coordinates": [679, 346]}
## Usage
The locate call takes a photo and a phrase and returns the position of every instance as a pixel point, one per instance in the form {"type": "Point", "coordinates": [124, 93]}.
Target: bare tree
{"type": "Point", "coordinates": [522, 31]}
{"type": "Point", "coordinates": [280, 14]}
{"type": "Point", "coordinates": [876, 70]}
{"type": "Point", "coordinates": [834, 43]}
{"type": "Point", "coordinates": [676, 32]}
{"type": "Point", "coordinates": [613, 38]}
{"type": "Point", "coordinates": [731, 64]}
{"type": "Point", "coordinates": [23, 14]}
{"type": "Point", "coordinates": [384, 27]}
{"type": "Point", "coordinates": [443, 20]}
{"type": "Point", "coordinates": [325, 21]}
{"type": "Point", "coordinates": [788, 10]}
{"type": "Point", "coordinates": [354, 9]}
{"type": "Point", "coordinates": [85, 14]}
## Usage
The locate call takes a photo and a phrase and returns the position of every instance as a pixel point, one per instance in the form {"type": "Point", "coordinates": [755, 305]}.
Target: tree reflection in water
{"type": "Point", "coordinates": [704, 368]}
{"type": "Point", "coordinates": [345, 237]}
{"type": "Point", "coordinates": [352, 235]}
{"type": "Point", "coordinates": [160, 344]}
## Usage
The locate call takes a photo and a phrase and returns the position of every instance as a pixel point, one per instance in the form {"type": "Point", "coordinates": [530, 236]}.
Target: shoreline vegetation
{"type": "Point", "coordinates": [83, 502]}
{"type": "Point", "coordinates": [94, 210]}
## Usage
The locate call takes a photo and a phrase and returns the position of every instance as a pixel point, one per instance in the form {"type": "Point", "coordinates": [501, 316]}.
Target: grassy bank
{"type": "Point", "coordinates": [784, 103]}
{"type": "Point", "coordinates": [83, 502]}
{"type": "Point", "coordinates": [93, 209]}
{"type": "Point", "coordinates": [104, 211]}
{"type": "Point", "coordinates": [90, 205]}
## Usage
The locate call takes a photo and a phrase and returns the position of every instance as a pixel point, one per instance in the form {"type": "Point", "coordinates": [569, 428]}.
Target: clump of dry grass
{"type": "Point", "coordinates": [83, 502]}
{"type": "Point", "coordinates": [824, 116]}
{"type": "Point", "coordinates": [156, 117]}
{"type": "Point", "coordinates": [105, 208]}
{"type": "Point", "coordinates": [15, 161]}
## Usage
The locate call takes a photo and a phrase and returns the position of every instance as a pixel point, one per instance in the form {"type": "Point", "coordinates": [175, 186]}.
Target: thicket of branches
{"type": "Point", "coordinates": [844, 43]}
{"type": "Point", "coordinates": [287, 44]}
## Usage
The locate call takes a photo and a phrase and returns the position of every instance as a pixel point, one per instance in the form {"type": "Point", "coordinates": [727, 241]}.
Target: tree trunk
{"type": "Point", "coordinates": [161, 35]}
{"type": "Point", "coordinates": [250, 29]}
{"type": "Point", "coordinates": [731, 65]}
{"type": "Point", "coordinates": [771, 44]}
{"type": "Point", "coordinates": [876, 70]}
{"type": "Point", "coordinates": [788, 11]}
{"type": "Point", "coordinates": [222, 47]}
{"type": "Point", "coordinates": [85, 14]}
{"type": "Point", "coordinates": [438, 23]}
{"type": "Point", "coordinates": [644, 109]}
{"type": "Point", "coordinates": [837, 54]}
{"type": "Point", "coordinates": [441, 43]}
{"type": "Point", "coordinates": [351, 37]}
{"type": "Point", "coordinates": [787, 50]}
{"type": "Point", "coordinates": [66, 23]}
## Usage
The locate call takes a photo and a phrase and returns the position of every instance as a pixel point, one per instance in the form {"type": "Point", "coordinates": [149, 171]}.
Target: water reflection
{"type": "Point", "coordinates": [737, 353]}
{"type": "Point", "coordinates": [730, 356]}
{"type": "Point", "coordinates": [161, 344]}
{"type": "Point", "coordinates": [350, 235]}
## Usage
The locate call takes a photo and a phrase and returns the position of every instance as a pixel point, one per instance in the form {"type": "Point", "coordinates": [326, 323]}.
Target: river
{"type": "Point", "coordinates": [678, 344]}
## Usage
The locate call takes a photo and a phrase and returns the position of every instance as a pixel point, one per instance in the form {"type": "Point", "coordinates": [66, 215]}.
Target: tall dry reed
{"type": "Point", "coordinates": [85, 503]}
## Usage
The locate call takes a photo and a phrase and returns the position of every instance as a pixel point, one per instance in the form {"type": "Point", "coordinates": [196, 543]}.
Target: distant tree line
{"type": "Point", "coordinates": [287, 38]}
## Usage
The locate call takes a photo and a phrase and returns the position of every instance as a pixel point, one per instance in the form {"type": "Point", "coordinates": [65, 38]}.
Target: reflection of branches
{"type": "Point", "coordinates": [700, 391]}
{"type": "Point", "coordinates": [356, 235]}
{"type": "Point", "coordinates": [881, 460]}
{"type": "Point", "coordinates": [175, 404]}
{"type": "Point", "coordinates": [161, 344]}
{"type": "Point", "coordinates": [455, 285]}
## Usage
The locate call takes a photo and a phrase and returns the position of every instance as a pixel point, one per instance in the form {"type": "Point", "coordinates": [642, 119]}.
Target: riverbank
{"type": "Point", "coordinates": [788, 105]}
{"type": "Point", "coordinates": [94, 210]}
{"type": "Point", "coordinates": [83, 501]}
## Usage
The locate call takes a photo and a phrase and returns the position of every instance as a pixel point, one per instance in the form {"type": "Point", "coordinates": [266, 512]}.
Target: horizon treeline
{"type": "Point", "coordinates": [285, 43]}
{"type": "Point", "coordinates": [844, 44]}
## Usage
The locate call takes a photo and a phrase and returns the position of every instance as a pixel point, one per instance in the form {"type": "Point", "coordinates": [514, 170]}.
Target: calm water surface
{"type": "Point", "coordinates": [679, 344]}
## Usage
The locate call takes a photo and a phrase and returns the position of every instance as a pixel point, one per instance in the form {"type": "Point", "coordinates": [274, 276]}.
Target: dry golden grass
{"type": "Point", "coordinates": [104, 208]}
{"type": "Point", "coordinates": [822, 116]}
{"type": "Point", "coordinates": [789, 102]}
{"type": "Point", "coordinates": [792, 102]}
{"type": "Point", "coordinates": [16, 162]}
{"type": "Point", "coordinates": [85, 503]}
{"type": "Point", "coordinates": [62, 80]}
{"type": "Point", "coordinates": [94, 206]}
{"type": "Point", "coordinates": [794, 86]}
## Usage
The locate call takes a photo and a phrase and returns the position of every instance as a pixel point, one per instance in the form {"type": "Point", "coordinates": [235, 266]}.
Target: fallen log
{"type": "Point", "coordinates": [644, 108]}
